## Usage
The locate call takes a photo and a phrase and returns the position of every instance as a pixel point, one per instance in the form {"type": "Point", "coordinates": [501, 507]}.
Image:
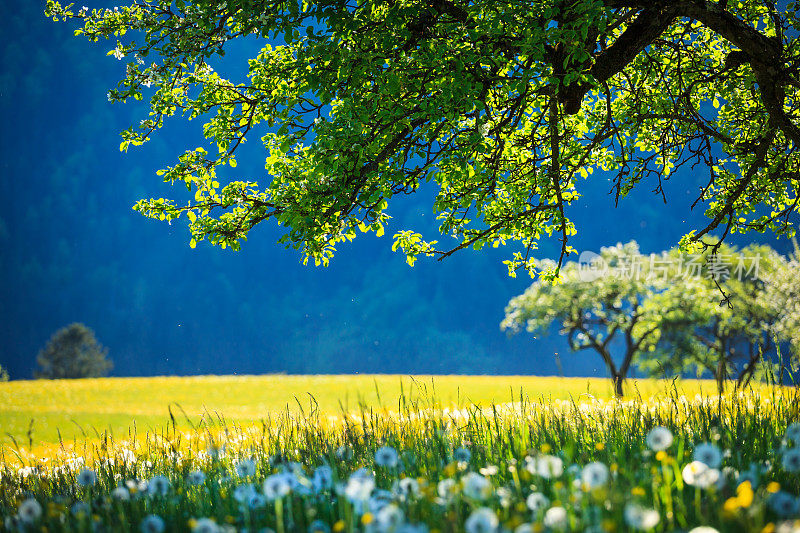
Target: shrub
{"type": "Point", "coordinates": [73, 352]}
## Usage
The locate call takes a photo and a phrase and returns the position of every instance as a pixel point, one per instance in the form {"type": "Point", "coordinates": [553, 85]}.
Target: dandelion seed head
{"type": "Point", "coordinates": [152, 524]}
{"type": "Point", "coordinates": [709, 454]}
{"type": "Point", "coordinates": [29, 511]}
{"type": "Point", "coordinates": [659, 438]}
{"type": "Point", "coordinates": [481, 520]}
{"type": "Point", "coordinates": [86, 477]}
{"type": "Point", "coordinates": [386, 457]}
{"type": "Point", "coordinates": [642, 518]}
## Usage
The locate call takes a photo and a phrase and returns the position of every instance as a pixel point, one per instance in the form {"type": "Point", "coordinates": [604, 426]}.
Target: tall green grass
{"type": "Point", "coordinates": [493, 454]}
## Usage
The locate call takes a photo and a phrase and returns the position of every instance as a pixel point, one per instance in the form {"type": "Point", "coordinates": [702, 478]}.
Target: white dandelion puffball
{"type": "Point", "coordinates": [462, 455]}
{"type": "Point", "coordinates": [158, 485]}
{"type": "Point", "coordinates": [257, 501]}
{"type": "Point", "coordinates": [556, 518]}
{"type": "Point", "coordinates": [86, 477]}
{"type": "Point", "coordinates": [323, 478]}
{"type": "Point", "coordinates": [638, 517]}
{"type": "Point", "coordinates": [537, 501]}
{"type": "Point", "coordinates": [407, 487]}
{"type": "Point", "coordinates": [379, 499]}
{"type": "Point", "coordinates": [703, 529]}
{"type": "Point", "coordinates": [793, 433]}
{"type": "Point", "coordinates": [546, 466]}
{"type": "Point", "coordinates": [152, 524]}
{"type": "Point", "coordinates": [475, 486]}
{"type": "Point", "coordinates": [595, 475]}
{"type": "Point", "coordinates": [390, 517]}
{"type": "Point", "coordinates": [524, 528]}
{"type": "Point", "coordinates": [386, 456]}
{"type": "Point", "coordinates": [709, 454]}
{"type": "Point", "coordinates": [359, 486]}
{"type": "Point", "coordinates": [29, 511]}
{"type": "Point", "coordinates": [196, 477]}
{"type": "Point", "coordinates": [699, 474]}
{"type": "Point", "coordinates": [277, 486]}
{"type": "Point", "coordinates": [80, 509]}
{"type": "Point", "coordinates": [121, 493]}
{"type": "Point", "coordinates": [659, 438]}
{"type": "Point", "coordinates": [482, 520]}
{"type": "Point", "coordinates": [791, 460]}
{"type": "Point", "coordinates": [784, 504]}
{"type": "Point", "coordinates": [446, 489]}
{"type": "Point", "coordinates": [242, 493]}
{"type": "Point", "coordinates": [246, 468]}
{"type": "Point", "coordinates": [205, 525]}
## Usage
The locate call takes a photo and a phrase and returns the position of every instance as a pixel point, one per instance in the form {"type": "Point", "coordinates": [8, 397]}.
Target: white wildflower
{"type": "Point", "coordinates": [462, 455]}
{"type": "Point", "coordinates": [699, 474]}
{"type": "Point", "coordinates": [386, 456]}
{"type": "Point", "coordinates": [793, 433]}
{"type": "Point", "coordinates": [638, 517]}
{"type": "Point", "coordinates": [277, 486]}
{"type": "Point", "coordinates": [546, 466]}
{"type": "Point", "coordinates": [246, 468]}
{"type": "Point", "coordinates": [152, 524]}
{"type": "Point", "coordinates": [86, 478]}
{"type": "Point", "coordinates": [406, 488]}
{"type": "Point", "coordinates": [389, 517]}
{"type": "Point", "coordinates": [783, 503]}
{"type": "Point", "coordinates": [446, 489]}
{"type": "Point", "coordinates": [379, 499]}
{"type": "Point", "coordinates": [359, 485]}
{"type": "Point", "coordinates": [29, 511]}
{"type": "Point", "coordinates": [323, 478]}
{"type": "Point", "coordinates": [196, 477]}
{"type": "Point", "coordinates": [791, 460]}
{"type": "Point", "coordinates": [242, 493]}
{"type": "Point", "coordinates": [709, 454]}
{"type": "Point", "coordinates": [556, 518]}
{"type": "Point", "coordinates": [659, 438]}
{"type": "Point", "coordinates": [482, 520]}
{"type": "Point", "coordinates": [594, 475]}
{"type": "Point", "coordinates": [537, 501]}
{"type": "Point", "coordinates": [121, 494]}
{"type": "Point", "coordinates": [475, 486]}
{"type": "Point", "coordinates": [158, 485]}
{"type": "Point", "coordinates": [205, 525]}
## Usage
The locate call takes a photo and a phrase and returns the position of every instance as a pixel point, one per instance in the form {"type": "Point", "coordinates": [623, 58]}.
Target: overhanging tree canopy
{"type": "Point", "coordinates": [506, 106]}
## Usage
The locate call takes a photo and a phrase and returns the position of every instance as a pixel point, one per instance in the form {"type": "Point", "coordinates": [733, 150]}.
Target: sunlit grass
{"type": "Point", "coordinates": [37, 411]}
{"type": "Point", "coordinates": [417, 465]}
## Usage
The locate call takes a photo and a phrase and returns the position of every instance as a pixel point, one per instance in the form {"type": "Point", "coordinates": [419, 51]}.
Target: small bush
{"type": "Point", "coordinates": [73, 352]}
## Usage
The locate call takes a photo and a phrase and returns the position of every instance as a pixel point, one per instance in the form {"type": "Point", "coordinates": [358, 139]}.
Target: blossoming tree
{"type": "Point", "coordinates": [504, 106]}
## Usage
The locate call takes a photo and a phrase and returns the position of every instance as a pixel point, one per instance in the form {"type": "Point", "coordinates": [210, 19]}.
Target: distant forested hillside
{"type": "Point", "coordinates": [73, 250]}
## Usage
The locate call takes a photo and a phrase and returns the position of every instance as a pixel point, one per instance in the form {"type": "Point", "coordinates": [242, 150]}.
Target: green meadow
{"type": "Point", "coordinates": [37, 413]}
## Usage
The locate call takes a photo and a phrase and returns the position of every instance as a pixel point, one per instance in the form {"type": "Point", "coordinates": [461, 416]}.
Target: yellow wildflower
{"type": "Point", "coordinates": [744, 493]}
{"type": "Point", "coordinates": [366, 519]}
{"type": "Point", "coordinates": [338, 526]}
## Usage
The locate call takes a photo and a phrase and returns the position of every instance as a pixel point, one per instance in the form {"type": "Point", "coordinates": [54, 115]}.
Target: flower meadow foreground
{"type": "Point", "coordinates": [676, 464]}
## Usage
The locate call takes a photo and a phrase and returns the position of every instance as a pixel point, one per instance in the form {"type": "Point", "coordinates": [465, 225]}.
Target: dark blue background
{"type": "Point", "coordinates": [71, 249]}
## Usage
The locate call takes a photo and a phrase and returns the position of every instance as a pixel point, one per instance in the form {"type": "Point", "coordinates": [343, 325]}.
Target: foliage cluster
{"type": "Point", "coordinates": [504, 106]}
{"type": "Point", "coordinates": [723, 312]}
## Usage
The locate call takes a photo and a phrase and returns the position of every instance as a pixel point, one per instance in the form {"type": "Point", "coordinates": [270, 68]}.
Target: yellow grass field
{"type": "Point", "coordinates": [34, 413]}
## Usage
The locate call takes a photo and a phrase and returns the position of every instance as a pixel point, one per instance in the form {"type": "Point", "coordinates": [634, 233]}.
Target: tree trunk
{"type": "Point", "coordinates": [618, 381]}
{"type": "Point", "coordinates": [720, 375]}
